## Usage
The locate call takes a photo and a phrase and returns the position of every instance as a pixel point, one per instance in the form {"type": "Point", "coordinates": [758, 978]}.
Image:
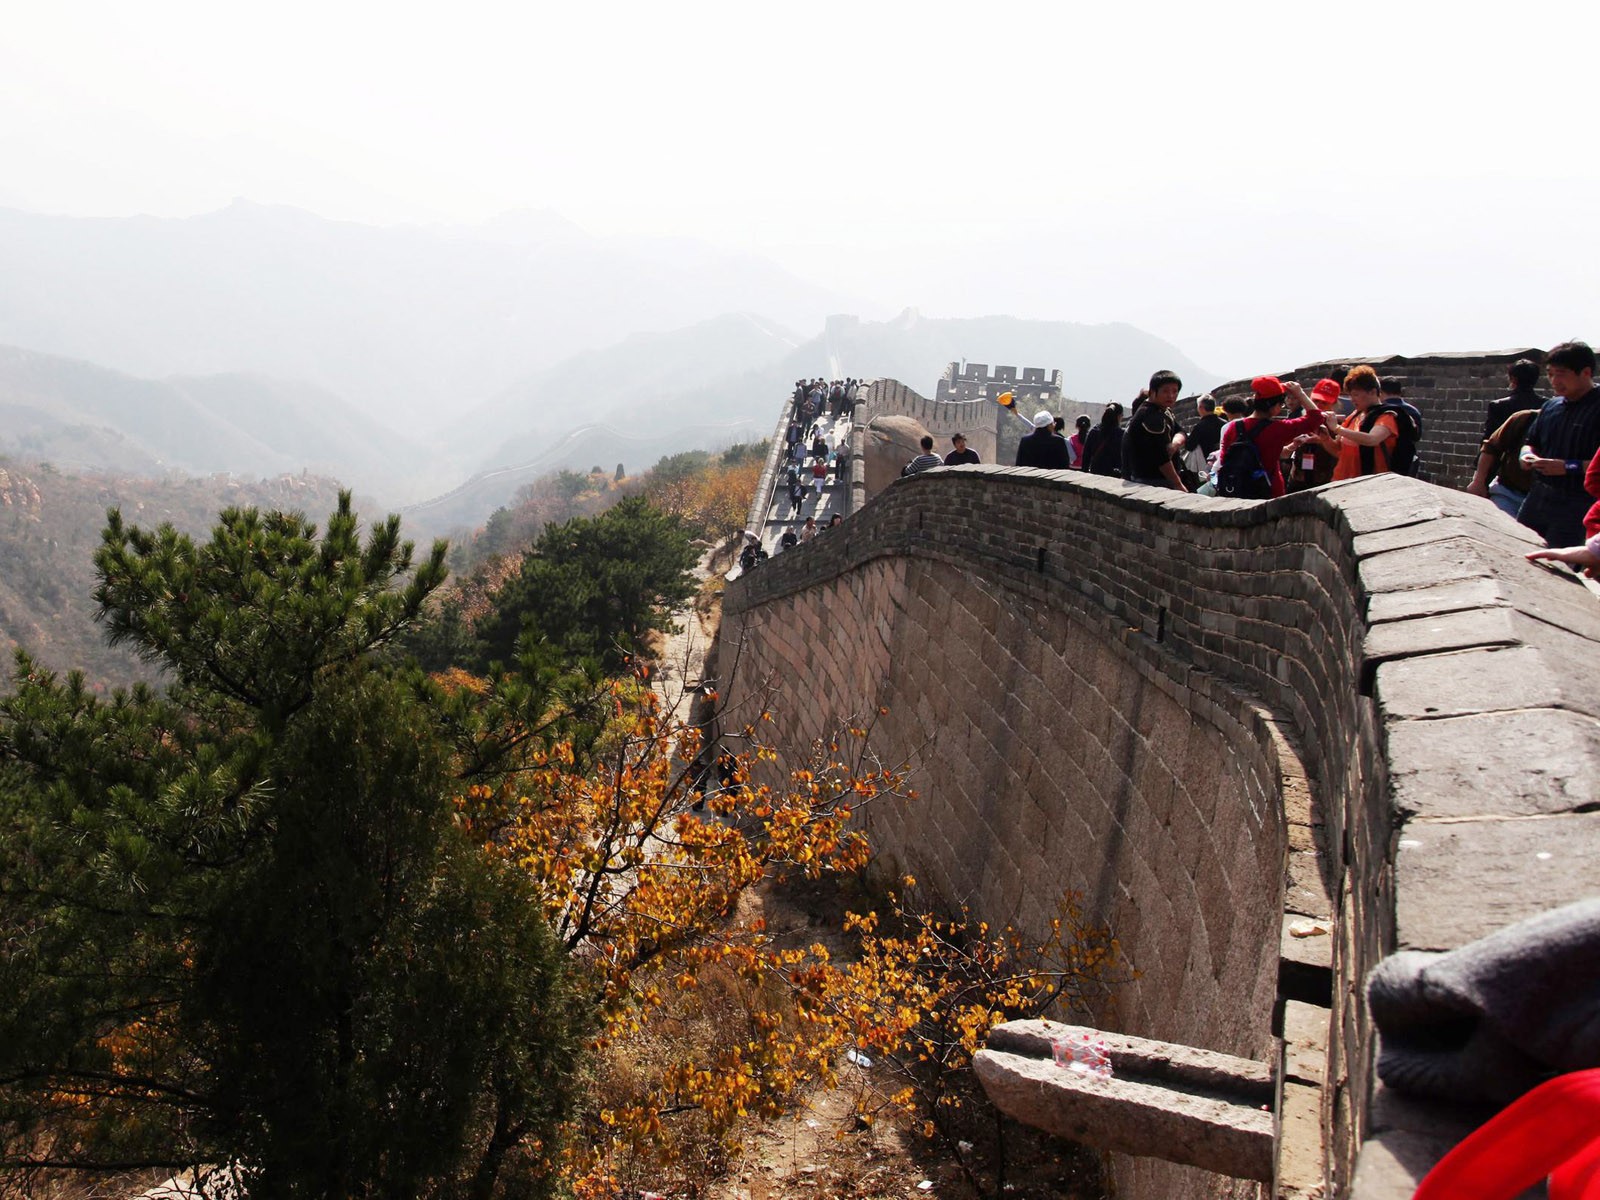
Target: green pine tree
{"type": "Point", "coordinates": [238, 924]}
{"type": "Point", "coordinates": [595, 587]}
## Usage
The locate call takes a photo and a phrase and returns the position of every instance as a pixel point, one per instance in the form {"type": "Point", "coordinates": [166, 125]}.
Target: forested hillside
{"type": "Point", "coordinates": [50, 523]}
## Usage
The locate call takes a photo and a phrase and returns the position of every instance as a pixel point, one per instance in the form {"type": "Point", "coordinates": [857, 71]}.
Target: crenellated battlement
{"type": "Point", "coordinates": [975, 381]}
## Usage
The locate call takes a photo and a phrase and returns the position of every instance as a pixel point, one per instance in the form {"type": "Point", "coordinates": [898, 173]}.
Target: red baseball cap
{"type": "Point", "coordinates": [1268, 387]}
{"type": "Point", "coordinates": [1326, 393]}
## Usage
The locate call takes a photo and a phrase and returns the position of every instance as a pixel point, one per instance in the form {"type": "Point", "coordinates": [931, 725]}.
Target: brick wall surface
{"type": "Point", "coordinates": [1452, 391]}
{"type": "Point", "coordinates": [1196, 711]}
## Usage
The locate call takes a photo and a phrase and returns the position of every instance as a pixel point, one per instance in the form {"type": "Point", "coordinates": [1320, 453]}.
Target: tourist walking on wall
{"type": "Point", "coordinates": [1154, 440]}
{"type": "Point", "coordinates": [1043, 447]}
{"type": "Point", "coordinates": [1206, 436]}
{"type": "Point", "coordinates": [922, 461]}
{"type": "Point", "coordinates": [962, 452]}
{"type": "Point", "coordinates": [752, 552]}
{"type": "Point", "coordinates": [1102, 448]}
{"type": "Point", "coordinates": [1560, 442]}
{"type": "Point", "coordinates": [810, 529]}
{"type": "Point", "coordinates": [1586, 556]}
{"type": "Point", "coordinates": [1392, 395]}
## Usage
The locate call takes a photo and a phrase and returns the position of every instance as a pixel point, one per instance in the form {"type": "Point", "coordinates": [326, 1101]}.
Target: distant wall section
{"type": "Point", "coordinates": [977, 418]}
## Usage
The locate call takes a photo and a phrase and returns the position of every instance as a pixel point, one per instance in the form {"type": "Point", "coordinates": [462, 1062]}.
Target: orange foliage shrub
{"type": "Point", "coordinates": [642, 857]}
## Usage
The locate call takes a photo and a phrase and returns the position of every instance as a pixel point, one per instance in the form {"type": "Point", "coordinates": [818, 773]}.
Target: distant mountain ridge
{"type": "Point", "coordinates": [412, 325]}
{"type": "Point", "coordinates": [86, 417]}
{"type": "Point", "coordinates": [633, 383]}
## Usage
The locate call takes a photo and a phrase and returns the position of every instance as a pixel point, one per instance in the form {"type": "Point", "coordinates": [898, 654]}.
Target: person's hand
{"type": "Point", "coordinates": [1544, 466]}
{"type": "Point", "coordinates": [1477, 489]}
{"type": "Point", "coordinates": [1573, 556]}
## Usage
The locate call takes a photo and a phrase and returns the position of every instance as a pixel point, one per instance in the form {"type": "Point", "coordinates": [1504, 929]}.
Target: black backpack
{"type": "Point", "coordinates": [1241, 473]}
{"type": "Point", "coordinates": [1403, 458]}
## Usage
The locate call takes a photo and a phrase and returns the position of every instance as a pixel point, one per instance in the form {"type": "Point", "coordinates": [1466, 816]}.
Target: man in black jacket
{"type": "Point", "coordinates": [1044, 447]}
{"type": "Point", "coordinates": [1522, 375]}
{"type": "Point", "coordinates": [1155, 439]}
{"type": "Point", "coordinates": [962, 453]}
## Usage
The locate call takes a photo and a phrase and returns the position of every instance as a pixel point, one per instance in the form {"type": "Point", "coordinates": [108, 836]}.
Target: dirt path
{"type": "Point", "coordinates": [681, 655]}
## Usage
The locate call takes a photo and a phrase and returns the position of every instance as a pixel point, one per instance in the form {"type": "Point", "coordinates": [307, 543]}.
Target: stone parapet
{"type": "Point", "coordinates": [1269, 742]}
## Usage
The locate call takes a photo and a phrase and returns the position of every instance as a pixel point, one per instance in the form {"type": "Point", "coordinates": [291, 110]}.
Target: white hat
{"type": "Point", "coordinates": [1042, 418]}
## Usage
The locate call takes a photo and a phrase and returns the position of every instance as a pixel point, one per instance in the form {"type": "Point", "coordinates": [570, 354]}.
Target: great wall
{"type": "Point", "coordinates": [1268, 743]}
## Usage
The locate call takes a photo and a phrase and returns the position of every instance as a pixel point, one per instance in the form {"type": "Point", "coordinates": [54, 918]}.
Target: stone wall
{"type": "Point", "coordinates": [1451, 390]}
{"type": "Point", "coordinates": [1211, 717]}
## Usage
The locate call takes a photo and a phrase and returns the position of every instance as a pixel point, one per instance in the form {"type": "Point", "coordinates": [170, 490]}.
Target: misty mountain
{"type": "Point", "coordinates": [633, 384]}
{"type": "Point", "coordinates": [78, 415]}
{"type": "Point", "coordinates": [50, 523]}
{"type": "Point", "coordinates": [412, 325]}
{"type": "Point", "coordinates": [470, 504]}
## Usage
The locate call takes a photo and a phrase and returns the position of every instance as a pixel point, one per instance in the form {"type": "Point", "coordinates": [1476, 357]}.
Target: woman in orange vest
{"type": "Point", "coordinates": [1349, 440]}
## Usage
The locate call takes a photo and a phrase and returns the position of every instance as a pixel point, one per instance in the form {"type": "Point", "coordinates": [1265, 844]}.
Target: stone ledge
{"type": "Point", "coordinates": [1160, 1114]}
{"type": "Point", "coordinates": [1147, 1059]}
{"type": "Point", "coordinates": [1454, 768]}
{"type": "Point", "coordinates": [1302, 1153]}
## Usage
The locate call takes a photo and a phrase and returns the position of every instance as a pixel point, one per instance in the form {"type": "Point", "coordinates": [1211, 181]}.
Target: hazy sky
{"type": "Point", "coordinates": [1260, 183]}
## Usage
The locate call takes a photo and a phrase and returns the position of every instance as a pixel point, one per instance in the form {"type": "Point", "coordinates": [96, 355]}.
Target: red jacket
{"type": "Point", "coordinates": [1270, 442]}
{"type": "Point", "coordinates": [1591, 484]}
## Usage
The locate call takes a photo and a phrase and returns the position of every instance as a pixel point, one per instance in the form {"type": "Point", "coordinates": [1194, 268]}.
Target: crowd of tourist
{"type": "Point", "coordinates": [819, 422]}
{"type": "Point", "coordinates": [1539, 458]}
{"type": "Point", "coordinates": [1281, 439]}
